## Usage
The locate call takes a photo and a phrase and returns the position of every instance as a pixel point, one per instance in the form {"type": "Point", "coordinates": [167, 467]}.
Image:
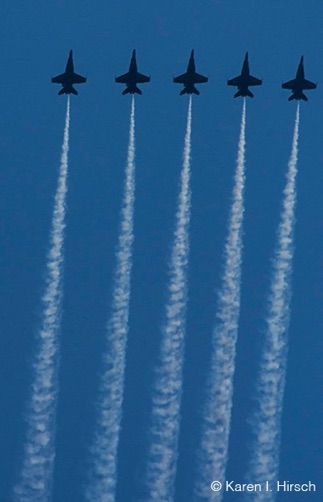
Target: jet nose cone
{"type": "Point", "coordinates": [192, 53]}
{"type": "Point", "coordinates": [134, 53]}
{"type": "Point", "coordinates": [71, 53]}
{"type": "Point", "coordinates": [302, 59]}
{"type": "Point", "coordinates": [247, 56]}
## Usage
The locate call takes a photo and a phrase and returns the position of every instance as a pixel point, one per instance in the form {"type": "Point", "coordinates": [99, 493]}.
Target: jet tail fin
{"type": "Point", "coordinates": [134, 90]}
{"type": "Point", "coordinates": [299, 96]}
{"type": "Point", "coordinates": [67, 91]}
{"type": "Point", "coordinates": [190, 90]}
{"type": "Point", "coordinates": [248, 93]}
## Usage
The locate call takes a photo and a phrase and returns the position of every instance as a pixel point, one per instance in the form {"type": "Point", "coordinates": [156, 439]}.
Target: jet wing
{"type": "Point", "coordinates": [200, 79]}
{"type": "Point", "coordinates": [235, 81]}
{"type": "Point", "coordinates": [123, 79]}
{"type": "Point", "coordinates": [181, 79]}
{"type": "Point", "coordinates": [254, 81]}
{"type": "Point", "coordinates": [60, 79]}
{"type": "Point", "coordinates": [308, 85]}
{"type": "Point", "coordinates": [78, 79]}
{"type": "Point", "coordinates": [289, 85]}
{"type": "Point", "coordinates": [141, 79]}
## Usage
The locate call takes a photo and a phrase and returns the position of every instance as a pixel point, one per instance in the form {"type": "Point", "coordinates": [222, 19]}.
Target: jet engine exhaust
{"type": "Point", "coordinates": [167, 390]}
{"type": "Point", "coordinates": [213, 451]}
{"type": "Point", "coordinates": [103, 474]}
{"type": "Point", "coordinates": [36, 476]}
{"type": "Point", "coordinates": [270, 386]}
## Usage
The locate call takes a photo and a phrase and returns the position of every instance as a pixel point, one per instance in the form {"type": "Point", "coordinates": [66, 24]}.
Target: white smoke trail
{"type": "Point", "coordinates": [36, 476]}
{"type": "Point", "coordinates": [264, 462]}
{"type": "Point", "coordinates": [105, 446]}
{"type": "Point", "coordinates": [161, 469]}
{"type": "Point", "coordinates": [213, 451]}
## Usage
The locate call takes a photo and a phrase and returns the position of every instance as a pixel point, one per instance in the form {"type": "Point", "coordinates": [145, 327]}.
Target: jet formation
{"type": "Point", "coordinates": [299, 84]}
{"type": "Point", "coordinates": [188, 79]}
{"type": "Point", "coordinates": [69, 78]}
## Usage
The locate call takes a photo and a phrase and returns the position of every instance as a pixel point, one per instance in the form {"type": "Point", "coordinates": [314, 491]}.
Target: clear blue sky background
{"type": "Point", "coordinates": [35, 38]}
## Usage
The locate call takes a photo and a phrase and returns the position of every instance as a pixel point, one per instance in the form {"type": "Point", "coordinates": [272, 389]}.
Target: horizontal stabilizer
{"type": "Point", "coordinates": [189, 90]}
{"type": "Point", "coordinates": [62, 91]}
{"type": "Point", "coordinates": [132, 90]}
{"type": "Point", "coordinates": [74, 91]}
{"type": "Point", "coordinates": [245, 93]}
{"type": "Point", "coordinates": [298, 96]}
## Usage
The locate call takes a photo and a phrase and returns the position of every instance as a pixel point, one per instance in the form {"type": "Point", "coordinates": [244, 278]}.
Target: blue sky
{"type": "Point", "coordinates": [35, 40]}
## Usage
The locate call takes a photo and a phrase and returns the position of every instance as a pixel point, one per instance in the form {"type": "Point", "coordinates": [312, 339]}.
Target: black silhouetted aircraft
{"type": "Point", "coordinates": [69, 78]}
{"type": "Point", "coordinates": [190, 78]}
{"type": "Point", "coordinates": [299, 83]}
{"type": "Point", "coordinates": [132, 78]}
{"type": "Point", "coordinates": [244, 80]}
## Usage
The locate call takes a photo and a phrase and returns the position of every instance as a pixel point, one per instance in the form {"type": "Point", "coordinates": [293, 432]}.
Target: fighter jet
{"type": "Point", "coordinates": [299, 84]}
{"type": "Point", "coordinates": [132, 78]}
{"type": "Point", "coordinates": [69, 78]}
{"type": "Point", "coordinates": [244, 80]}
{"type": "Point", "coordinates": [190, 78]}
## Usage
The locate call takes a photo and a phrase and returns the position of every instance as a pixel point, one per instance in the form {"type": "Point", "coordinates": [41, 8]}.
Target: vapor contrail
{"type": "Point", "coordinates": [213, 451]}
{"type": "Point", "coordinates": [167, 389]}
{"type": "Point", "coordinates": [105, 446]}
{"type": "Point", "coordinates": [266, 422]}
{"type": "Point", "coordinates": [36, 476]}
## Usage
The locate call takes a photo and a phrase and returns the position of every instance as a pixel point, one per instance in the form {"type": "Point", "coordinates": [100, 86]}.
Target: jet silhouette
{"type": "Point", "coordinates": [299, 84]}
{"type": "Point", "coordinates": [69, 78]}
{"type": "Point", "coordinates": [245, 80]}
{"type": "Point", "coordinates": [132, 78]}
{"type": "Point", "coordinates": [190, 78]}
